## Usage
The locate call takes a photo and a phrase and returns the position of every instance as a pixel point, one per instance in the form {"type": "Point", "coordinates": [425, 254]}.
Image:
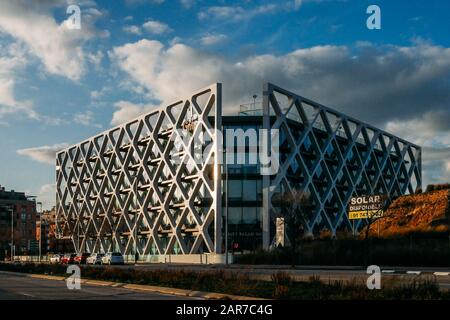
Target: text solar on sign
{"type": "Point", "coordinates": [366, 207]}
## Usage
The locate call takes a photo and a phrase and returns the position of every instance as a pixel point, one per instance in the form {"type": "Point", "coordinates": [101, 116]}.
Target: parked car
{"type": "Point", "coordinates": [95, 258]}
{"type": "Point", "coordinates": [56, 258]}
{"type": "Point", "coordinates": [81, 258]}
{"type": "Point", "coordinates": [68, 258]}
{"type": "Point", "coordinates": [113, 258]}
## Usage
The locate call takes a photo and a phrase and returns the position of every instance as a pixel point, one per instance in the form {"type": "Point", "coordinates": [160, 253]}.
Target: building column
{"type": "Point", "coordinates": [266, 178]}
{"type": "Point", "coordinates": [218, 152]}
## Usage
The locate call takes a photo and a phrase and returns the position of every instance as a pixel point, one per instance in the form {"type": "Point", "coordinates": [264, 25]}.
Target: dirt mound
{"type": "Point", "coordinates": [424, 213]}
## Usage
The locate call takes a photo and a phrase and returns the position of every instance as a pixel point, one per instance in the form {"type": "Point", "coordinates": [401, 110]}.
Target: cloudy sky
{"type": "Point", "coordinates": [60, 85]}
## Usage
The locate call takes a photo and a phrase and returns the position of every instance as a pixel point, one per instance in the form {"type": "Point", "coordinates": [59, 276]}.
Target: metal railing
{"type": "Point", "coordinates": [251, 109]}
{"type": "Point", "coordinates": [44, 258]}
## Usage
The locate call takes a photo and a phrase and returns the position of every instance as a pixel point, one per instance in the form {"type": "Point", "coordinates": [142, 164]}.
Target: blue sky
{"type": "Point", "coordinates": [58, 86]}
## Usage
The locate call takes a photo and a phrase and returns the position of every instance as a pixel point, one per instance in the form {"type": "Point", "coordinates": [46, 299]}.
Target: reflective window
{"type": "Point", "coordinates": [235, 189]}
{"type": "Point", "coordinates": [250, 215]}
{"type": "Point", "coordinates": [259, 189]}
{"type": "Point", "coordinates": [249, 190]}
{"type": "Point", "coordinates": [234, 215]}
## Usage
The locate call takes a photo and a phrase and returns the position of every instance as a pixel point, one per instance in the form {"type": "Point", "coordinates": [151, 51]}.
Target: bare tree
{"type": "Point", "coordinates": [295, 208]}
{"type": "Point", "coordinates": [376, 216]}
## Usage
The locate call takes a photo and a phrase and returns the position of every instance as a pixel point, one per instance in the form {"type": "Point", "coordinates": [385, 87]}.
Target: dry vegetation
{"type": "Point", "coordinates": [418, 213]}
{"type": "Point", "coordinates": [281, 286]}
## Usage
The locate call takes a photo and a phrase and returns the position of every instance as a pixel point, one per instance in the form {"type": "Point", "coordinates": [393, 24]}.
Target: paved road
{"type": "Point", "coordinates": [17, 287]}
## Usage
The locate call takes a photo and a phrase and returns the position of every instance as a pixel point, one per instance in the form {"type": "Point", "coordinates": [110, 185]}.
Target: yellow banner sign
{"type": "Point", "coordinates": [365, 214]}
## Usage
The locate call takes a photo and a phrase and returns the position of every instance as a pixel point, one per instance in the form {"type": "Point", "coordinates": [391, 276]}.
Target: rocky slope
{"type": "Point", "coordinates": [426, 212]}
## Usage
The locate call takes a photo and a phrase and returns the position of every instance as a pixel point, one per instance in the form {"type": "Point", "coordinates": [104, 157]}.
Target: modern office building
{"type": "Point", "coordinates": [19, 211]}
{"type": "Point", "coordinates": [136, 189]}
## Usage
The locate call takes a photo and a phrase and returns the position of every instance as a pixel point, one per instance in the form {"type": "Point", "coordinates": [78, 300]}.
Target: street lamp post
{"type": "Point", "coordinates": [135, 190]}
{"type": "Point", "coordinates": [226, 207]}
{"type": "Point", "coordinates": [135, 219]}
{"type": "Point", "coordinates": [12, 234]}
{"type": "Point", "coordinates": [40, 231]}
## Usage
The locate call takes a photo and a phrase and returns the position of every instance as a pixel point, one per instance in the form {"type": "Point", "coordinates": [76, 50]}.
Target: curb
{"type": "Point", "coordinates": [46, 277]}
{"type": "Point", "coordinates": [188, 293]}
{"type": "Point", "coordinates": [416, 272]}
{"type": "Point", "coordinates": [139, 287]}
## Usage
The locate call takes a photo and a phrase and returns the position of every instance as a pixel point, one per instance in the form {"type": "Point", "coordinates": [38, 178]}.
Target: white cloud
{"type": "Point", "coordinates": [132, 30]}
{"type": "Point", "coordinates": [45, 154]}
{"type": "Point", "coordinates": [141, 2]}
{"type": "Point", "coordinates": [47, 188]}
{"type": "Point", "coordinates": [236, 13]}
{"type": "Point", "coordinates": [156, 27]}
{"type": "Point", "coordinates": [47, 195]}
{"type": "Point", "coordinates": [133, 56]}
{"type": "Point", "coordinates": [431, 131]}
{"type": "Point", "coordinates": [212, 39]}
{"type": "Point", "coordinates": [397, 82]}
{"type": "Point", "coordinates": [98, 94]}
{"type": "Point", "coordinates": [10, 106]}
{"type": "Point", "coordinates": [12, 63]}
{"type": "Point", "coordinates": [436, 166]}
{"type": "Point", "coordinates": [37, 36]}
{"type": "Point", "coordinates": [389, 86]}
{"type": "Point", "coordinates": [96, 58]}
{"type": "Point", "coordinates": [126, 111]}
{"type": "Point", "coordinates": [188, 3]}
{"type": "Point", "coordinates": [86, 119]}
{"type": "Point", "coordinates": [58, 48]}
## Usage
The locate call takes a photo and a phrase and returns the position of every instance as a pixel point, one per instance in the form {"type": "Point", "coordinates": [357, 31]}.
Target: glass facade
{"type": "Point", "coordinates": [244, 194]}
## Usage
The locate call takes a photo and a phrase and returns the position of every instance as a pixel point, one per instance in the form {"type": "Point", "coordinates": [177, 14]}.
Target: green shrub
{"type": "Point", "coordinates": [436, 187]}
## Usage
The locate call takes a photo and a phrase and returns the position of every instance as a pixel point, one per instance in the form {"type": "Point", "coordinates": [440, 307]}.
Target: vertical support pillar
{"type": "Point", "coordinates": [266, 178]}
{"type": "Point", "coordinates": [419, 165]}
{"type": "Point", "coordinates": [218, 152]}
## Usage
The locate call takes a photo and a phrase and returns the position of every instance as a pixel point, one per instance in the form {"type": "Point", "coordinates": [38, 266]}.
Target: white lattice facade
{"type": "Point", "coordinates": [122, 191]}
{"type": "Point", "coordinates": [333, 157]}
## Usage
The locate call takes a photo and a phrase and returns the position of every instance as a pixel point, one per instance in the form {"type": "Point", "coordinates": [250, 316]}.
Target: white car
{"type": "Point", "coordinates": [113, 258]}
{"type": "Point", "coordinates": [95, 258]}
{"type": "Point", "coordinates": [56, 258]}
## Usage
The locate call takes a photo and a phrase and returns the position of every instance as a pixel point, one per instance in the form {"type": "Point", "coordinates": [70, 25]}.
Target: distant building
{"type": "Point", "coordinates": [22, 209]}
{"type": "Point", "coordinates": [49, 243]}
{"type": "Point", "coordinates": [43, 229]}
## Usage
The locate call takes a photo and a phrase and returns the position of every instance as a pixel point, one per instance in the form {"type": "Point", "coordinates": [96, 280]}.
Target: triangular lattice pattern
{"type": "Point", "coordinates": [123, 189]}
{"type": "Point", "coordinates": [334, 157]}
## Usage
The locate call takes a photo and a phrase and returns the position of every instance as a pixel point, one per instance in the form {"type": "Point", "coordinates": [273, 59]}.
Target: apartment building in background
{"type": "Point", "coordinates": [22, 210]}
{"type": "Point", "coordinates": [50, 243]}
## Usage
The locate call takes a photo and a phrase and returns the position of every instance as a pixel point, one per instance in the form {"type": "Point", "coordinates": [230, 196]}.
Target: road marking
{"type": "Point", "coordinates": [413, 272]}
{"type": "Point", "coordinates": [442, 273]}
{"type": "Point", "coordinates": [388, 271]}
{"type": "Point", "coordinates": [26, 294]}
